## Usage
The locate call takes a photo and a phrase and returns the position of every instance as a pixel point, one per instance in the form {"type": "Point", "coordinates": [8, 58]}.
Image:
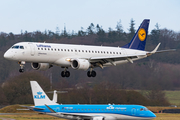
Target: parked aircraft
{"type": "Point", "coordinates": [43, 56]}
{"type": "Point", "coordinates": [86, 112]}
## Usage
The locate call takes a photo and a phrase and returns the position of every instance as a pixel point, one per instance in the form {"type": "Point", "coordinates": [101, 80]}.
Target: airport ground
{"type": "Point", "coordinates": [172, 96]}
{"type": "Point", "coordinates": [160, 116]}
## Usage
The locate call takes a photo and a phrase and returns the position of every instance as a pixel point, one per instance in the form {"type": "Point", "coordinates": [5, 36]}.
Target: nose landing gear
{"type": "Point", "coordinates": [22, 64]}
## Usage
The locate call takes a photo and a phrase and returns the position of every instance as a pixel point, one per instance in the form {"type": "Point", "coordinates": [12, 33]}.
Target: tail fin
{"type": "Point", "coordinates": [39, 96]}
{"type": "Point", "coordinates": [139, 40]}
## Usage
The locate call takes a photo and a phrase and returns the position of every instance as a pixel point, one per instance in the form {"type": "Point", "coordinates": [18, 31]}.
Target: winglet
{"type": "Point", "coordinates": [154, 51]}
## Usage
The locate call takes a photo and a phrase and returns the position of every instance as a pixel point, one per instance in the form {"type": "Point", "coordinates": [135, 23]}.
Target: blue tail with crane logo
{"type": "Point", "coordinates": [138, 41]}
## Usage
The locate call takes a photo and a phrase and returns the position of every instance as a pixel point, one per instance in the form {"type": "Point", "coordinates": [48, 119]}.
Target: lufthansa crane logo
{"type": "Point", "coordinates": [142, 34]}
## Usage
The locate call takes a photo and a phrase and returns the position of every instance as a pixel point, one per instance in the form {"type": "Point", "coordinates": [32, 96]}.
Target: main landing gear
{"type": "Point", "coordinates": [22, 64]}
{"type": "Point", "coordinates": [91, 73]}
{"type": "Point", "coordinates": [65, 73]}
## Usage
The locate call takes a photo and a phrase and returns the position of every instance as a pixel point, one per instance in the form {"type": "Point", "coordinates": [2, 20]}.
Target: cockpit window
{"type": "Point", "coordinates": [143, 109]}
{"type": "Point", "coordinates": [21, 47]}
{"type": "Point", "coordinates": [15, 47]}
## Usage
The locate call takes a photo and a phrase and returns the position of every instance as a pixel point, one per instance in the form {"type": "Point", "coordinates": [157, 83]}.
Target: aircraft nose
{"type": "Point", "coordinates": [8, 55]}
{"type": "Point", "coordinates": [152, 115]}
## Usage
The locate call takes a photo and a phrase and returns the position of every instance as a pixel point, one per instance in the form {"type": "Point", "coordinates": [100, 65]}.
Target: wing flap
{"type": "Point", "coordinates": [110, 59]}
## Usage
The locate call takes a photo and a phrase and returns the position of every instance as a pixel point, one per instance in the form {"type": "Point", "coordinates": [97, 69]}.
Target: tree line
{"type": "Point", "coordinates": [17, 90]}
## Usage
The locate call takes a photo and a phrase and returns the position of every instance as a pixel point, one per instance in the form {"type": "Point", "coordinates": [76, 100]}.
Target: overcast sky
{"type": "Point", "coordinates": [33, 15]}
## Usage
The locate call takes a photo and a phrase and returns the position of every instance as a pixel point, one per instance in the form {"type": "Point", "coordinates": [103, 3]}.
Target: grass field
{"type": "Point", "coordinates": [160, 116]}
{"type": "Point", "coordinates": [173, 97]}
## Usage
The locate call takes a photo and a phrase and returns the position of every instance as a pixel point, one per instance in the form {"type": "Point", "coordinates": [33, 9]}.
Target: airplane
{"type": "Point", "coordinates": [43, 56]}
{"type": "Point", "coordinates": [86, 112]}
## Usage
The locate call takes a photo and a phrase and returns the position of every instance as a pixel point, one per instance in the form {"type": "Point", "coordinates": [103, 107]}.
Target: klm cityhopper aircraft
{"type": "Point", "coordinates": [43, 56]}
{"type": "Point", "coordinates": [86, 112]}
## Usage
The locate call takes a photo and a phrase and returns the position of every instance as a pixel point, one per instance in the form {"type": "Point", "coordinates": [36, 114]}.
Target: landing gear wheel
{"type": "Point", "coordinates": [21, 70]}
{"type": "Point", "coordinates": [89, 74]}
{"type": "Point", "coordinates": [93, 73]}
{"type": "Point", "coordinates": [67, 73]}
{"type": "Point", "coordinates": [63, 74]}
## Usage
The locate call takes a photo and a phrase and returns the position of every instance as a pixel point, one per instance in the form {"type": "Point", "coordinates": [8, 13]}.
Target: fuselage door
{"type": "Point", "coordinates": [133, 111]}
{"type": "Point", "coordinates": [32, 47]}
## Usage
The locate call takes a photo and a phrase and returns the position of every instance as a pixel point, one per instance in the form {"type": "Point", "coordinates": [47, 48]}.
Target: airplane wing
{"type": "Point", "coordinates": [155, 50]}
{"type": "Point", "coordinates": [32, 107]}
{"type": "Point", "coordinates": [112, 59]}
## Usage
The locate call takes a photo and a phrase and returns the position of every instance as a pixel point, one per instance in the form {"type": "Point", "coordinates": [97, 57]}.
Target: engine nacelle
{"type": "Point", "coordinates": [40, 66]}
{"type": "Point", "coordinates": [98, 118]}
{"type": "Point", "coordinates": [81, 64]}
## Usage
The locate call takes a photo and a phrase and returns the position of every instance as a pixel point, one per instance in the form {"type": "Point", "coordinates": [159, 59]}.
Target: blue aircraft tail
{"type": "Point", "coordinates": [139, 39]}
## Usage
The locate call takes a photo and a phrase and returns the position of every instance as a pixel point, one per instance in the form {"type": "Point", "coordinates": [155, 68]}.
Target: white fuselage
{"type": "Point", "coordinates": [62, 54]}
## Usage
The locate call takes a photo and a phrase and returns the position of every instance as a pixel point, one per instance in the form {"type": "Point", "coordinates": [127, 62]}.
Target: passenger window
{"type": "Point", "coordinates": [41, 48]}
{"type": "Point", "coordinates": [71, 50]}
{"type": "Point", "coordinates": [38, 48]}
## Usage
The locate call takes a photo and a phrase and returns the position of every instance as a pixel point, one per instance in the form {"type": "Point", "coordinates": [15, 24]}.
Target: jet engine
{"type": "Point", "coordinates": [81, 64]}
{"type": "Point", "coordinates": [98, 118]}
{"type": "Point", "coordinates": [40, 66]}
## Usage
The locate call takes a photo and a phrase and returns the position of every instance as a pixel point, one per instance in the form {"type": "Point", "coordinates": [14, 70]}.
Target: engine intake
{"type": "Point", "coordinates": [40, 66]}
{"type": "Point", "coordinates": [80, 64]}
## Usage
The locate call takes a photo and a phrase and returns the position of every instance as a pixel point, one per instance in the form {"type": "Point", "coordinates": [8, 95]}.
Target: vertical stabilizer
{"type": "Point", "coordinates": [138, 42]}
{"type": "Point", "coordinates": [39, 96]}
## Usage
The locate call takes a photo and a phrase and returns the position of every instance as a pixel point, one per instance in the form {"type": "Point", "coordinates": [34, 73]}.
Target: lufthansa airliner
{"type": "Point", "coordinates": [43, 56]}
